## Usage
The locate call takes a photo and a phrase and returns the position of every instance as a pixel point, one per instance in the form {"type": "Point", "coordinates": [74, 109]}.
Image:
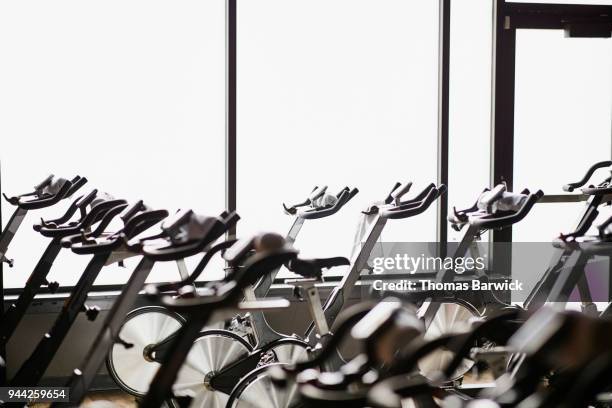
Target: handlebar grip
{"type": "Point", "coordinates": [230, 219]}
{"type": "Point", "coordinates": [397, 194]}
{"type": "Point", "coordinates": [317, 193]}
{"type": "Point", "coordinates": [442, 189]}
{"type": "Point", "coordinates": [389, 198]}
{"type": "Point", "coordinates": [86, 200]}
{"type": "Point", "coordinates": [422, 194]}
{"type": "Point", "coordinates": [569, 187]}
{"type": "Point", "coordinates": [132, 210]}
{"type": "Point", "coordinates": [352, 193]}
{"type": "Point", "coordinates": [77, 183]}
{"type": "Point", "coordinates": [411, 209]}
{"type": "Point", "coordinates": [47, 181]}
{"type": "Point", "coordinates": [339, 193]}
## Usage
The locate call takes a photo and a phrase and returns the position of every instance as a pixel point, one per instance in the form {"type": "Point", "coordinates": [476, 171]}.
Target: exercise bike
{"type": "Point", "coordinates": [181, 235]}
{"type": "Point", "coordinates": [130, 368]}
{"type": "Point", "coordinates": [255, 388]}
{"type": "Point", "coordinates": [250, 259]}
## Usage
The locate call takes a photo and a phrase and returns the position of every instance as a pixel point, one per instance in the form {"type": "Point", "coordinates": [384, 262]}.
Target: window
{"type": "Point", "coordinates": [549, 118]}
{"type": "Point", "coordinates": [470, 103]}
{"type": "Point", "coordinates": [130, 94]}
{"type": "Point", "coordinates": [335, 93]}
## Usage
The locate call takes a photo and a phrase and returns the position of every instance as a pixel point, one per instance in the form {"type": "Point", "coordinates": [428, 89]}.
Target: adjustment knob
{"type": "Point", "coordinates": [92, 312]}
{"type": "Point", "coordinates": [53, 286]}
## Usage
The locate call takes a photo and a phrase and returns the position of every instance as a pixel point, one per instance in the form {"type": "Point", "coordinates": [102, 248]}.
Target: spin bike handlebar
{"type": "Point", "coordinates": [505, 219]}
{"type": "Point", "coordinates": [94, 215]}
{"type": "Point", "coordinates": [398, 192]}
{"type": "Point", "coordinates": [80, 203]}
{"type": "Point", "coordinates": [344, 197]}
{"type": "Point", "coordinates": [315, 193]}
{"type": "Point", "coordinates": [39, 198]}
{"type": "Point", "coordinates": [412, 208]}
{"type": "Point", "coordinates": [600, 165]}
{"type": "Point", "coordinates": [77, 182]}
{"type": "Point", "coordinates": [87, 244]}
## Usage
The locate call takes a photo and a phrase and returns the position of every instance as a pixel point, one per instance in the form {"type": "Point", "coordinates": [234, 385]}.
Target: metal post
{"type": "Point", "coordinates": [502, 118]}
{"type": "Point", "coordinates": [443, 113]}
{"type": "Point", "coordinates": [230, 109]}
{"type": "Point", "coordinates": [2, 343]}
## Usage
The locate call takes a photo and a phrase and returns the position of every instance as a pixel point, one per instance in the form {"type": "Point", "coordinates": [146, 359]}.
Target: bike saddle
{"type": "Point", "coordinates": [313, 268]}
{"type": "Point", "coordinates": [229, 291]}
{"type": "Point", "coordinates": [47, 193]}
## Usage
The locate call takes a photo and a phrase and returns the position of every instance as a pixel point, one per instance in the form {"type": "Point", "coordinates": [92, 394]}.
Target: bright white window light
{"type": "Point", "coordinates": [337, 93]}
{"type": "Point", "coordinates": [128, 93]}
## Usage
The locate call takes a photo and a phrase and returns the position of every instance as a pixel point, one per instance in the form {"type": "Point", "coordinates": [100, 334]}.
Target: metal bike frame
{"type": "Point", "coordinates": [339, 296]}
{"type": "Point", "coordinates": [227, 378]}
{"type": "Point", "coordinates": [262, 331]}
{"type": "Point", "coordinates": [17, 310]}
{"type": "Point", "coordinates": [442, 275]}
{"type": "Point", "coordinates": [33, 368]}
{"type": "Point", "coordinates": [9, 232]}
{"type": "Point", "coordinates": [553, 286]}
{"type": "Point", "coordinates": [83, 376]}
